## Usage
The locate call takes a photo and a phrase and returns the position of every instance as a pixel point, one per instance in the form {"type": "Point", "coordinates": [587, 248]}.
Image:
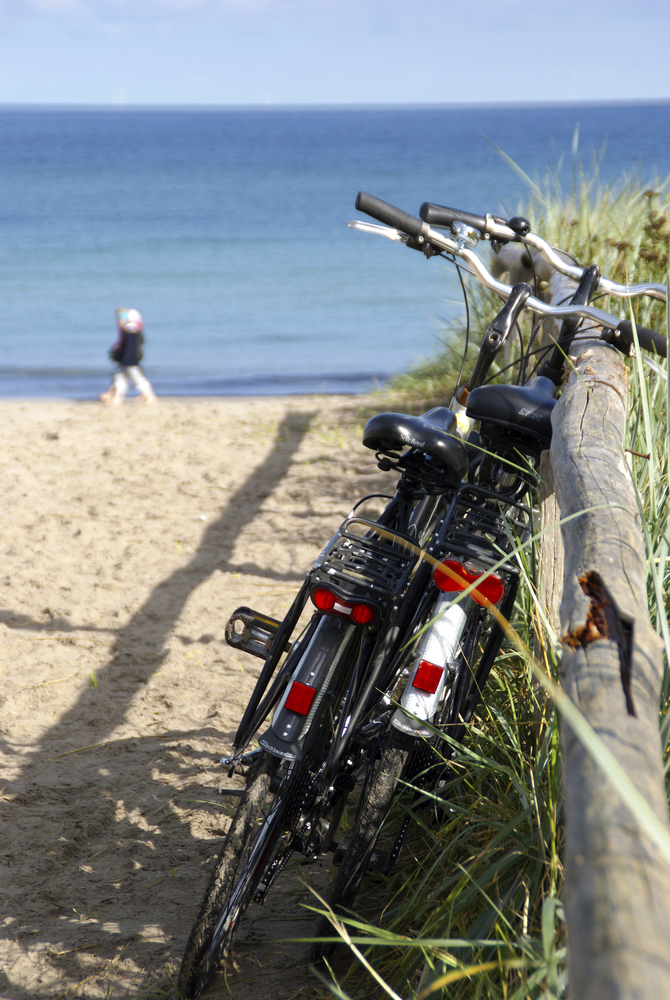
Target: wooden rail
{"type": "Point", "coordinates": [617, 885]}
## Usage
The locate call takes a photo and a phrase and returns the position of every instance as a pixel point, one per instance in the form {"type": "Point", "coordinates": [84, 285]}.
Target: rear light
{"type": "Point", "coordinates": [363, 614]}
{"type": "Point", "coordinates": [355, 611]}
{"type": "Point", "coordinates": [451, 576]}
{"type": "Point", "coordinates": [300, 698]}
{"type": "Point", "coordinates": [324, 599]}
{"type": "Point", "coordinates": [428, 677]}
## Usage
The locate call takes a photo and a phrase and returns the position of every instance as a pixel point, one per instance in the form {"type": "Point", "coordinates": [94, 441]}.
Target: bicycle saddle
{"type": "Point", "coordinates": [526, 408]}
{"type": "Point", "coordinates": [433, 433]}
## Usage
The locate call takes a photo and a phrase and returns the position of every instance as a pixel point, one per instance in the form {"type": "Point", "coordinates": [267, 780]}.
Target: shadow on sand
{"type": "Point", "coordinates": [119, 873]}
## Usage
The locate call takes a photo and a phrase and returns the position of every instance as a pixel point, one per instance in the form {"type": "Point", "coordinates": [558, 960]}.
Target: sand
{"type": "Point", "coordinates": [128, 536]}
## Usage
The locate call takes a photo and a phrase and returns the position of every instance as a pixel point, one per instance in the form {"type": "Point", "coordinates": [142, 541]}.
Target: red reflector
{"type": "Point", "coordinates": [362, 614]}
{"type": "Point", "coordinates": [300, 698]}
{"type": "Point", "coordinates": [452, 575]}
{"type": "Point", "coordinates": [326, 600]}
{"type": "Point", "coordinates": [428, 677]}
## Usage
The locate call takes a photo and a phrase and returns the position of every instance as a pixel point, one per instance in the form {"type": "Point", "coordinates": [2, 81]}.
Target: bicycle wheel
{"type": "Point", "coordinates": [267, 827]}
{"type": "Point", "coordinates": [373, 808]}
{"type": "Point", "coordinates": [226, 899]}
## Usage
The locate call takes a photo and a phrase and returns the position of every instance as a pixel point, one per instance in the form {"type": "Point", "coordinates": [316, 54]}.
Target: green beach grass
{"type": "Point", "coordinates": [624, 230]}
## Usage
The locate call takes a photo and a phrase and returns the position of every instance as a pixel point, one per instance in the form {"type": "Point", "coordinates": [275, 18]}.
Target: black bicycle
{"type": "Point", "coordinates": [407, 609]}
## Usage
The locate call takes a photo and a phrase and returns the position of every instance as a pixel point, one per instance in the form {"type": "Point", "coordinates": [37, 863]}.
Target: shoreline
{"type": "Point", "coordinates": [135, 402]}
{"type": "Point", "coordinates": [88, 387]}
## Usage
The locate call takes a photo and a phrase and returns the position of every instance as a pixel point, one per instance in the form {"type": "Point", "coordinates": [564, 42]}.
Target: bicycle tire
{"type": "Point", "coordinates": [213, 930]}
{"type": "Point", "coordinates": [248, 853]}
{"type": "Point", "coordinates": [373, 809]}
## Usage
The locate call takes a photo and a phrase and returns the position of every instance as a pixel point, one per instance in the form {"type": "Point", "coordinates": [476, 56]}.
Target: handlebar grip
{"type": "Point", "coordinates": [440, 215]}
{"type": "Point", "coordinates": [390, 215]}
{"type": "Point", "coordinates": [649, 339]}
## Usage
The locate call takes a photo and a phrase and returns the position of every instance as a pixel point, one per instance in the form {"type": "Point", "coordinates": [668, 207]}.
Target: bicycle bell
{"type": "Point", "coordinates": [465, 236]}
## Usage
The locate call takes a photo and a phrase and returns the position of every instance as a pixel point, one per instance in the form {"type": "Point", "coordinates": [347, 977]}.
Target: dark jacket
{"type": "Point", "coordinates": [129, 351]}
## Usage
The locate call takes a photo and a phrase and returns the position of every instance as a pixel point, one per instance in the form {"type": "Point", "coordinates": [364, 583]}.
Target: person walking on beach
{"type": "Point", "coordinates": [127, 352]}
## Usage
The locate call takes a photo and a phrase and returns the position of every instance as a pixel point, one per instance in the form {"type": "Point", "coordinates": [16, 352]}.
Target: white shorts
{"type": "Point", "coordinates": [134, 374]}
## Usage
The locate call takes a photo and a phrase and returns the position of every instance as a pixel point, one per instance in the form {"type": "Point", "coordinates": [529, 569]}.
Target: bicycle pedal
{"type": "Point", "coordinates": [251, 632]}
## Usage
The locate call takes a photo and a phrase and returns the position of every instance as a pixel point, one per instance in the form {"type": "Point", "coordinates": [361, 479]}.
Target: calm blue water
{"type": "Point", "coordinates": [228, 230]}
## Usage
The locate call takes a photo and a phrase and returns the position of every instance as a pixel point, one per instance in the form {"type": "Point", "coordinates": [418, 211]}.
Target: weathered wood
{"type": "Point", "coordinates": [550, 546]}
{"type": "Point", "coordinates": [617, 885]}
{"type": "Point", "coordinates": [549, 550]}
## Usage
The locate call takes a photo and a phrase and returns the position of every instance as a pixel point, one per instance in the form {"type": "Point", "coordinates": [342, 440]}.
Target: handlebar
{"type": "Point", "coordinates": [648, 339]}
{"type": "Point", "coordinates": [390, 215]}
{"type": "Point", "coordinates": [440, 215]}
{"type": "Point", "coordinates": [422, 233]}
{"type": "Point", "coordinates": [517, 230]}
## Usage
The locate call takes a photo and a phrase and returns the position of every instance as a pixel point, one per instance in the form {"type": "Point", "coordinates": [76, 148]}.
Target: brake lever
{"type": "Point", "coordinates": [413, 242]}
{"type": "Point", "coordinates": [375, 230]}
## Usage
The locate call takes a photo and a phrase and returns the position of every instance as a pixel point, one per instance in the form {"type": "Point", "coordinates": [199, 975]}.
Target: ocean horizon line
{"type": "Point", "coordinates": [318, 106]}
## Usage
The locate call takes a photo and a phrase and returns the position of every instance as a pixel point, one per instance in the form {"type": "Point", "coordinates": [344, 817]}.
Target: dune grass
{"type": "Point", "coordinates": [624, 230]}
{"type": "Point", "coordinates": [474, 909]}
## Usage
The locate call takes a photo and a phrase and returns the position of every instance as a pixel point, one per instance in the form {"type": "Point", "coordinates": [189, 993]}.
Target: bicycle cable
{"type": "Point", "coordinates": [467, 323]}
{"type": "Point", "coordinates": [535, 327]}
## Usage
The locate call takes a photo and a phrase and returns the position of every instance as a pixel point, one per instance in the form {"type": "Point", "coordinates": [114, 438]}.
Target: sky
{"type": "Point", "coordinates": [332, 51]}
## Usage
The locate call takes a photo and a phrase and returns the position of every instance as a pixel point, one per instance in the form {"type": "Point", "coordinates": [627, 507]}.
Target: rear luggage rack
{"type": "Point", "coordinates": [372, 564]}
{"type": "Point", "coordinates": [483, 526]}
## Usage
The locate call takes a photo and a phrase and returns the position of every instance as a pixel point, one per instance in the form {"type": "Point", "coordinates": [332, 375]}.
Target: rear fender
{"type": "Point", "coordinates": [311, 680]}
{"type": "Point", "coordinates": [430, 674]}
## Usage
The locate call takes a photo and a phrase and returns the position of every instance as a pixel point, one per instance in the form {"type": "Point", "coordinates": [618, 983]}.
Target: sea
{"type": "Point", "coordinates": [227, 229]}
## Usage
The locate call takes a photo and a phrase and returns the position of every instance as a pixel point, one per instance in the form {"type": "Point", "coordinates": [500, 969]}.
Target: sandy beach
{"type": "Point", "coordinates": [128, 536]}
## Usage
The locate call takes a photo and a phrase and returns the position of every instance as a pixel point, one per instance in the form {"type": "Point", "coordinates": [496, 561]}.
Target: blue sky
{"type": "Point", "coordinates": [332, 51]}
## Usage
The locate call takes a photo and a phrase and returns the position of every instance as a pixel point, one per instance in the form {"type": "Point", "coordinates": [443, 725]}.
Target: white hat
{"type": "Point", "coordinates": [129, 320]}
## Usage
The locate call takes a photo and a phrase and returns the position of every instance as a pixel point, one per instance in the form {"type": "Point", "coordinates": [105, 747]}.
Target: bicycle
{"type": "Point", "coordinates": [407, 612]}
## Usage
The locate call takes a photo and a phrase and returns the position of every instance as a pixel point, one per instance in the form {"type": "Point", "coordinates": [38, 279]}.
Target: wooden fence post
{"type": "Point", "coordinates": [617, 884]}
{"type": "Point", "coordinates": [550, 546]}
{"type": "Point", "coordinates": [617, 894]}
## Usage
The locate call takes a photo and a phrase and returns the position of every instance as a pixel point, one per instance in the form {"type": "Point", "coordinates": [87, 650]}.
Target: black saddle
{"type": "Point", "coordinates": [524, 408]}
{"type": "Point", "coordinates": [434, 433]}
